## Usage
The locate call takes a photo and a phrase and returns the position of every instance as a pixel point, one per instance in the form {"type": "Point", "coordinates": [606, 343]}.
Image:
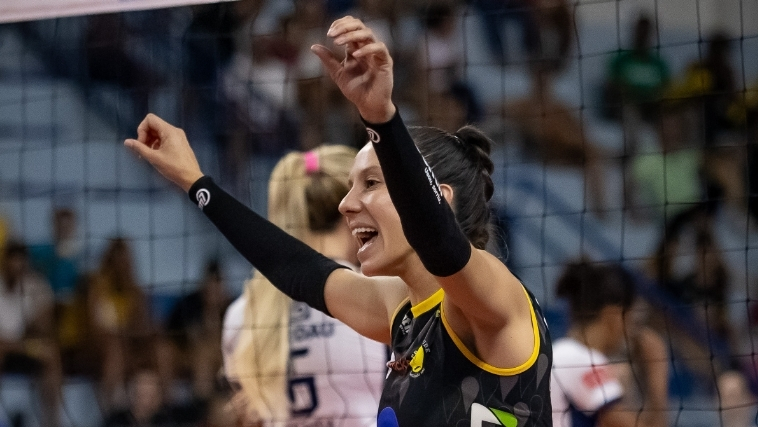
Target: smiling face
{"type": "Point", "coordinates": [373, 220]}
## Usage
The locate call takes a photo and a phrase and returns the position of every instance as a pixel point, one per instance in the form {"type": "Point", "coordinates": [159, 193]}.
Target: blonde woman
{"type": "Point", "coordinates": [295, 365]}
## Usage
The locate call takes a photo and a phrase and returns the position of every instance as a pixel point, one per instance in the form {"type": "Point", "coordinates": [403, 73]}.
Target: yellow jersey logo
{"type": "Point", "coordinates": [417, 362]}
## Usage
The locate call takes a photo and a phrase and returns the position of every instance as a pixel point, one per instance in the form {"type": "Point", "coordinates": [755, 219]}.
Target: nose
{"type": "Point", "coordinates": [350, 203]}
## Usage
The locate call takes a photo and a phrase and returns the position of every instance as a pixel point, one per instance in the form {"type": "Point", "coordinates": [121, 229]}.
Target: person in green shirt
{"type": "Point", "coordinates": [638, 76]}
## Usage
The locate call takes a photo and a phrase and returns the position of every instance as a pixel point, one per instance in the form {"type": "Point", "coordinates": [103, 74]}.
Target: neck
{"type": "Point", "coordinates": [421, 284]}
{"type": "Point", "coordinates": [591, 335]}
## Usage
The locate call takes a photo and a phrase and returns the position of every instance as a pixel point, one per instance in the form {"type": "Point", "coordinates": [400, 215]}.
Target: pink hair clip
{"type": "Point", "coordinates": [311, 162]}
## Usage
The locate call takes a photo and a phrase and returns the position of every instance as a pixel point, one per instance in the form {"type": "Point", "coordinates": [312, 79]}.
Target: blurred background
{"type": "Point", "coordinates": [625, 132]}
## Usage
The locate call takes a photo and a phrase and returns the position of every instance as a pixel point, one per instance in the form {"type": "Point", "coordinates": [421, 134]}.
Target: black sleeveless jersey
{"type": "Point", "coordinates": [436, 381]}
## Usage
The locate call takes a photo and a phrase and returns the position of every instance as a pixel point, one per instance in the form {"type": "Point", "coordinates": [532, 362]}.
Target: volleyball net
{"type": "Point", "coordinates": [625, 133]}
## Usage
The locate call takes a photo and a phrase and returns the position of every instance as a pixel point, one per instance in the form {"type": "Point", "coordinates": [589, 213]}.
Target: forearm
{"type": "Point", "coordinates": [651, 354]}
{"type": "Point", "coordinates": [289, 264]}
{"type": "Point", "coordinates": [655, 403]}
{"type": "Point", "coordinates": [428, 221]}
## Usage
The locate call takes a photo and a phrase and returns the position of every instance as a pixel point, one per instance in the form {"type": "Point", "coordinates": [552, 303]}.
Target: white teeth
{"type": "Point", "coordinates": [363, 230]}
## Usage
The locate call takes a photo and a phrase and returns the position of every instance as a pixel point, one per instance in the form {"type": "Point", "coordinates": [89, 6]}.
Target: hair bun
{"type": "Point", "coordinates": [478, 148]}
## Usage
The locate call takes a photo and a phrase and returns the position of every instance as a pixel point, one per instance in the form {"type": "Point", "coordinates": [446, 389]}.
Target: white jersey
{"type": "Point", "coordinates": [336, 375]}
{"type": "Point", "coordinates": [234, 321]}
{"type": "Point", "coordinates": [582, 383]}
{"type": "Point", "coordinates": [20, 307]}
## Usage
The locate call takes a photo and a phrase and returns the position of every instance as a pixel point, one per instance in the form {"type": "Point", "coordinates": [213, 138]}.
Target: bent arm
{"type": "Point", "coordinates": [293, 267]}
{"type": "Point", "coordinates": [428, 222]}
{"type": "Point", "coordinates": [475, 281]}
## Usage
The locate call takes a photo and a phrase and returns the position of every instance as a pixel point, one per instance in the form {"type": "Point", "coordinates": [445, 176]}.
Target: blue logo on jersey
{"type": "Point", "coordinates": [387, 418]}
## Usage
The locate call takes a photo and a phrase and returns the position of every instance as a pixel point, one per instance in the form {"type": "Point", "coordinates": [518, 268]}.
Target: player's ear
{"type": "Point", "coordinates": [447, 193]}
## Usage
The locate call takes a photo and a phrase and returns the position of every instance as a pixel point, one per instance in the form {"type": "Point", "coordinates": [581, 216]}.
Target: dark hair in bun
{"type": "Point", "coordinates": [462, 161]}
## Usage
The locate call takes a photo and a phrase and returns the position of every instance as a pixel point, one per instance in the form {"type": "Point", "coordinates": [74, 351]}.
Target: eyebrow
{"type": "Point", "coordinates": [372, 169]}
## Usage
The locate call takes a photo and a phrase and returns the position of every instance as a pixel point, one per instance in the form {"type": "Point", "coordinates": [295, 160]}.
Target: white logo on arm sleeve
{"type": "Point", "coordinates": [373, 136]}
{"type": "Point", "coordinates": [203, 197]}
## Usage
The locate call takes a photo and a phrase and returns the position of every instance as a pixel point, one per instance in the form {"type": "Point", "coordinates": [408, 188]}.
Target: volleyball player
{"type": "Point", "coordinates": [586, 389]}
{"type": "Point", "coordinates": [469, 342]}
{"type": "Point", "coordinates": [295, 365]}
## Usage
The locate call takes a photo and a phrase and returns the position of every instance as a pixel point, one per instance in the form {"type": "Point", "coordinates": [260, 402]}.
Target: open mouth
{"type": "Point", "coordinates": [365, 236]}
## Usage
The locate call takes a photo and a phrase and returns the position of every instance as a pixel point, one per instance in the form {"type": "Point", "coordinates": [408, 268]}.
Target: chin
{"type": "Point", "coordinates": [368, 271]}
{"type": "Point", "coordinates": [373, 266]}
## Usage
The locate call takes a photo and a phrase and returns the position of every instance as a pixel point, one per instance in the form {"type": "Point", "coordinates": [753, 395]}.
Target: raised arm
{"type": "Point", "coordinates": [291, 265]}
{"type": "Point", "coordinates": [482, 295]}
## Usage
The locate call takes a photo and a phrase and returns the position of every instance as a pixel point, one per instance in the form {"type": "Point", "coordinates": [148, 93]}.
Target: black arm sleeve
{"type": "Point", "coordinates": [291, 265]}
{"type": "Point", "coordinates": [428, 221]}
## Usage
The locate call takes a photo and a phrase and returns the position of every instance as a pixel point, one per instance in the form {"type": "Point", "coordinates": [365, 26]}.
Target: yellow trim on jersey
{"type": "Point", "coordinates": [421, 307]}
{"type": "Point", "coordinates": [428, 303]}
{"type": "Point", "coordinates": [492, 369]}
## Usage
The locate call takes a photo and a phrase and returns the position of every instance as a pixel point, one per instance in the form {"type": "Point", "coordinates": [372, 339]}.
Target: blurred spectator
{"type": "Point", "coordinates": [80, 349]}
{"type": "Point", "coordinates": [210, 43]}
{"type": "Point", "coordinates": [555, 30]}
{"type": "Point", "coordinates": [586, 389]}
{"type": "Point", "coordinates": [743, 113]}
{"type": "Point", "coordinates": [710, 83]}
{"type": "Point", "coordinates": [122, 323]}
{"type": "Point", "coordinates": [668, 177]}
{"type": "Point", "coordinates": [305, 26]}
{"type": "Point", "coordinates": [27, 337]}
{"type": "Point", "coordinates": [552, 132]}
{"type": "Point", "coordinates": [689, 265]}
{"type": "Point", "coordinates": [636, 81]}
{"type": "Point", "coordinates": [633, 88]}
{"type": "Point", "coordinates": [259, 90]}
{"type": "Point", "coordinates": [495, 14]}
{"type": "Point", "coordinates": [447, 100]}
{"type": "Point", "coordinates": [109, 41]}
{"type": "Point", "coordinates": [146, 405]}
{"type": "Point", "coordinates": [59, 260]}
{"type": "Point", "coordinates": [194, 329]}
{"type": "Point", "coordinates": [707, 281]}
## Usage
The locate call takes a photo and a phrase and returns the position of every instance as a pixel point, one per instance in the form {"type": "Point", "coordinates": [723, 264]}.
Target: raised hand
{"type": "Point", "coordinates": [167, 149]}
{"type": "Point", "coordinates": [365, 75]}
